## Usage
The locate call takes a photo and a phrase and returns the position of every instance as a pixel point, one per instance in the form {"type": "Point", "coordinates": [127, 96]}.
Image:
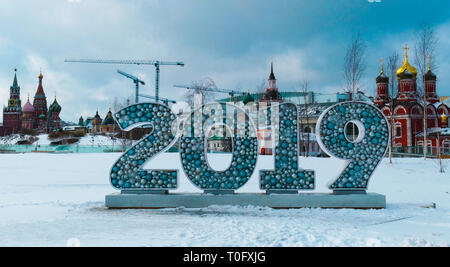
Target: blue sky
{"type": "Point", "coordinates": [230, 41]}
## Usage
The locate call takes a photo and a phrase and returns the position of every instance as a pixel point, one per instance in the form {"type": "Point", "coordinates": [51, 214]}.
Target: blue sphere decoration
{"type": "Point", "coordinates": [245, 149]}
{"type": "Point", "coordinates": [286, 175]}
{"type": "Point", "coordinates": [127, 172]}
{"type": "Point", "coordinates": [362, 154]}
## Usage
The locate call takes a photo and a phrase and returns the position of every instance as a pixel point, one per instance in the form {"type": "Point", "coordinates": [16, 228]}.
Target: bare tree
{"type": "Point", "coordinates": [354, 65]}
{"type": "Point", "coordinates": [121, 102]}
{"type": "Point", "coordinates": [125, 137]}
{"type": "Point", "coordinates": [261, 88]}
{"type": "Point", "coordinates": [201, 87]}
{"type": "Point", "coordinates": [354, 68]}
{"type": "Point", "coordinates": [306, 135]}
{"type": "Point", "coordinates": [425, 47]}
{"type": "Point", "coordinates": [118, 104]}
{"type": "Point", "coordinates": [392, 65]}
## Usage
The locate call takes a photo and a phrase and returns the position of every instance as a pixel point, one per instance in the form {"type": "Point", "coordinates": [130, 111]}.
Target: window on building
{"type": "Point", "coordinates": [351, 131]}
{"type": "Point", "coordinates": [398, 130]}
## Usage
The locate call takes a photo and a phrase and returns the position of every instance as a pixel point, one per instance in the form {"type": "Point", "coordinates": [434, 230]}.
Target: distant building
{"type": "Point", "coordinates": [81, 121]}
{"type": "Point", "coordinates": [109, 125]}
{"type": "Point", "coordinates": [219, 144]}
{"type": "Point", "coordinates": [98, 125]}
{"type": "Point", "coordinates": [13, 112]}
{"type": "Point", "coordinates": [407, 112]}
{"type": "Point", "coordinates": [310, 105]}
{"type": "Point", "coordinates": [271, 94]}
{"type": "Point", "coordinates": [32, 117]}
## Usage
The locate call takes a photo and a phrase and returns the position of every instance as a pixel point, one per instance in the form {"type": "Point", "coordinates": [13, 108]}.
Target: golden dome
{"type": "Point", "coordinates": [406, 66]}
{"type": "Point", "coordinates": [40, 76]}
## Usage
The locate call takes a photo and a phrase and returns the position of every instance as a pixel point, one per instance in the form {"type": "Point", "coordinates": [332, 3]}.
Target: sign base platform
{"type": "Point", "coordinates": [277, 201]}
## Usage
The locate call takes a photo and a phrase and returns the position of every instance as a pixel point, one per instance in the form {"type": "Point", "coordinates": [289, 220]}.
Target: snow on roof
{"type": "Point", "coordinates": [304, 136]}
{"type": "Point", "coordinates": [442, 131]}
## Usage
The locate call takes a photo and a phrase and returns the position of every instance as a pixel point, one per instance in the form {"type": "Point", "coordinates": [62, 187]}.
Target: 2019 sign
{"type": "Point", "coordinates": [192, 130]}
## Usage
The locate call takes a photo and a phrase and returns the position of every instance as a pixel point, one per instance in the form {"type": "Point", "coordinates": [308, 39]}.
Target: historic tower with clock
{"type": "Point", "coordinates": [13, 112]}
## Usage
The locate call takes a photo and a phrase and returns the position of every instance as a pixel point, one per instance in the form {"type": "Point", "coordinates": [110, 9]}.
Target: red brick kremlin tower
{"type": "Point", "coordinates": [28, 115]}
{"type": "Point", "coordinates": [12, 113]}
{"type": "Point", "coordinates": [39, 104]}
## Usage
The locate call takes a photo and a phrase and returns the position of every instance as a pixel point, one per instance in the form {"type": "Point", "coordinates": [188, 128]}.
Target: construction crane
{"type": "Point", "coordinates": [164, 100]}
{"type": "Point", "coordinates": [216, 90]}
{"type": "Point", "coordinates": [155, 63]}
{"type": "Point", "coordinates": [136, 81]}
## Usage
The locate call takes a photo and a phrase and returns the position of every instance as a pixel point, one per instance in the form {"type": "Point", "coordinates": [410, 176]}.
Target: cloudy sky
{"type": "Point", "coordinates": [230, 41]}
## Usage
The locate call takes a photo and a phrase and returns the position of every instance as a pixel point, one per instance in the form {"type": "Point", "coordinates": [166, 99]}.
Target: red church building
{"type": "Point", "coordinates": [406, 114]}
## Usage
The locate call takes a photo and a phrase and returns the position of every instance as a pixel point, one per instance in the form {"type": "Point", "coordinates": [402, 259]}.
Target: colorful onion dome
{"type": "Point", "coordinates": [406, 67]}
{"type": "Point", "coordinates": [55, 107]}
{"type": "Point", "coordinates": [382, 78]}
{"type": "Point", "coordinates": [108, 119]}
{"type": "Point", "coordinates": [430, 76]}
{"type": "Point", "coordinates": [97, 116]}
{"type": "Point", "coordinates": [406, 74]}
{"type": "Point", "coordinates": [28, 107]}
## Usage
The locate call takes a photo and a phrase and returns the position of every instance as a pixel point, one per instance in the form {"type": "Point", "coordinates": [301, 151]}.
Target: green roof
{"type": "Point", "coordinates": [215, 137]}
{"type": "Point", "coordinates": [248, 98]}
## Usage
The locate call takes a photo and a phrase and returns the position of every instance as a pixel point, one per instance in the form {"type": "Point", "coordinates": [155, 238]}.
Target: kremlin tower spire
{"type": "Point", "coordinates": [14, 91]}
{"type": "Point", "coordinates": [382, 88]}
{"type": "Point", "coordinates": [272, 93]}
{"type": "Point", "coordinates": [13, 112]}
{"type": "Point", "coordinates": [272, 79]}
{"type": "Point", "coordinates": [40, 89]}
{"type": "Point", "coordinates": [15, 83]}
{"type": "Point", "coordinates": [39, 102]}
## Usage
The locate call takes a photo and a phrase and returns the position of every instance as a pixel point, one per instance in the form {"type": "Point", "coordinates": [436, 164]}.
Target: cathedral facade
{"type": "Point", "coordinates": [34, 117]}
{"type": "Point", "coordinates": [405, 111]}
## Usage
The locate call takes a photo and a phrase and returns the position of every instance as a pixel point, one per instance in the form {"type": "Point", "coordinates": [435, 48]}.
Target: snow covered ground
{"type": "Point", "coordinates": [88, 140]}
{"type": "Point", "coordinates": [53, 200]}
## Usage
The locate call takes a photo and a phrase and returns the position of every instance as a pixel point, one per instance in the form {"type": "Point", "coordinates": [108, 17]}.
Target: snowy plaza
{"type": "Point", "coordinates": [237, 125]}
{"type": "Point", "coordinates": [58, 200]}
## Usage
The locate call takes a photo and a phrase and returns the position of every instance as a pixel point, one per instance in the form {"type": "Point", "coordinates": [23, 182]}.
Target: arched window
{"type": "Point", "coordinates": [400, 110]}
{"type": "Point", "coordinates": [446, 144]}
